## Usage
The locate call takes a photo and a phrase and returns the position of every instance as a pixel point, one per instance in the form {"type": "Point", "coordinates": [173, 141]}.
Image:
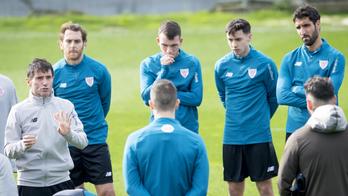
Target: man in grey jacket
{"type": "Point", "coordinates": [37, 135]}
{"type": "Point", "coordinates": [319, 149]}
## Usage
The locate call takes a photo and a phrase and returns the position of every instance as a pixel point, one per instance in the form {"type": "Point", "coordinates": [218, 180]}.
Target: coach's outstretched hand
{"type": "Point", "coordinates": [64, 123]}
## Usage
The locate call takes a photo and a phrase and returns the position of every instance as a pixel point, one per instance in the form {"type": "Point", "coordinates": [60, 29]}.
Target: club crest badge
{"type": "Point", "coordinates": [2, 91]}
{"type": "Point", "coordinates": [184, 72]}
{"type": "Point", "coordinates": [323, 64]}
{"type": "Point", "coordinates": [252, 72]}
{"type": "Point", "coordinates": [55, 116]}
{"type": "Point", "coordinates": [167, 128]}
{"type": "Point", "coordinates": [89, 81]}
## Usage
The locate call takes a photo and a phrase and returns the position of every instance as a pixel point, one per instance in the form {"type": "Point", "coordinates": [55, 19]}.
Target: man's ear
{"type": "Point", "coordinates": [309, 104]}
{"type": "Point", "coordinates": [177, 103]}
{"type": "Point", "coordinates": [151, 105]}
{"type": "Point", "coordinates": [28, 81]}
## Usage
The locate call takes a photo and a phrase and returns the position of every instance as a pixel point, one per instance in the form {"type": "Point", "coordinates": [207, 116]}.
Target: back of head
{"type": "Point", "coordinates": [170, 28]}
{"type": "Point", "coordinates": [306, 11]}
{"type": "Point", "coordinates": [39, 65]}
{"type": "Point", "coordinates": [73, 27]}
{"type": "Point", "coordinates": [236, 25]}
{"type": "Point", "coordinates": [321, 90]}
{"type": "Point", "coordinates": [163, 95]}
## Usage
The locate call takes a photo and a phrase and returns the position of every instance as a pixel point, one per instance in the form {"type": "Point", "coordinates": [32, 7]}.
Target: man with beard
{"type": "Point", "coordinates": [87, 84]}
{"type": "Point", "coordinates": [314, 57]}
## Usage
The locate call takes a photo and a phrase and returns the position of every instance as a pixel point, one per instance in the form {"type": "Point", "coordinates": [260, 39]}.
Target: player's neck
{"type": "Point", "coordinates": [74, 62]}
{"type": "Point", "coordinates": [164, 114]}
{"type": "Point", "coordinates": [317, 44]}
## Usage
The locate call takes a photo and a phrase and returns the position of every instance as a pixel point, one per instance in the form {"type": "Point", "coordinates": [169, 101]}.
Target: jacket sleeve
{"type": "Point", "coordinates": [8, 183]}
{"type": "Point", "coordinates": [271, 85]}
{"type": "Point", "coordinates": [14, 147]}
{"type": "Point", "coordinates": [220, 85]}
{"type": "Point", "coordinates": [14, 99]}
{"type": "Point", "coordinates": [77, 137]}
{"type": "Point", "coordinates": [337, 73]}
{"type": "Point", "coordinates": [131, 174]}
{"type": "Point", "coordinates": [288, 167]}
{"type": "Point", "coordinates": [285, 95]}
{"type": "Point", "coordinates": [147, 80]}
{"type": "Point", "coordinates": [195, 94]}
{"type": "Point", "coordinates": [200, 177]}
{"type": "Point", "coordinates": [105, 90]}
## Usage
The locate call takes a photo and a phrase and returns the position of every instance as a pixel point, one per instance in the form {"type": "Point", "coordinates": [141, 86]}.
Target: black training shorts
{"type": "Point", "coordinates": [259, 161]}
{"type": "Point", "coordinates": [92, 164]}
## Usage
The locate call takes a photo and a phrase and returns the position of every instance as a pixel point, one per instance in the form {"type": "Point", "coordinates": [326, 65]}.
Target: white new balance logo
{"type": "Point", "coordinates": [269, 169]}
{"type": "Point", "coordinates": [108, 174]}
{"type": "Point", "coordinates": [229, 74]}
{"type": "Point", "coordinates": [298, 63]}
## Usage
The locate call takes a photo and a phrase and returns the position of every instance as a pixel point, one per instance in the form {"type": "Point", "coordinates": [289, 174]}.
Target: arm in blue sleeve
{"type": "Point", "coordinates": [105, 90]}
{"type": "Point", "coordinates": [147, 79]}
{"type": "Point", "coordinates": [284, 94]}
{"type": "Point", "coordinates": [337, 73]}
{"type": "Point", "coordinates": [131, 174]}
{"type": "Point", "coordinates": [220, 85]}
{"type": "Point", "coordinates": [200, 178]}
{"type": "Point", "coordinates": [195, 94]}
{"type": "Point", "coordinates": [271, 85]}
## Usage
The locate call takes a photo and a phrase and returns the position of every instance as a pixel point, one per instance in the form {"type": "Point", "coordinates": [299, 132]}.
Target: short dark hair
{"type": "Point", "coordinates": [321, 88]}
{"type": "Point", "coordinates": [306, 11]}
{"type": "Point", "coordinates": [170, 28]}
{"type": "Point", "coordinates": [236, 25]}
{"type": "Point", "coordinates": [74, 27]}
{"type": "Point", "coordinates": [38, 65]}
{"type": "Point", "coordinates": [163, 95]}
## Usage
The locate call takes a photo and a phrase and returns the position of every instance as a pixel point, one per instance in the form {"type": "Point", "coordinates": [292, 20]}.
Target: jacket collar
{"type": "Point", "coordinates": [40, 100]}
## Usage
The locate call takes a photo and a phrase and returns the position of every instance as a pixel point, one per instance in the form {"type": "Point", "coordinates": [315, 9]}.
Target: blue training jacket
{"type": "Point", "coordinates": [88, 86]}
{"type": "Point", "coordinates": [247, 89]}
{"type": "Point", "coordinates": [164, 158]}
{"type": "Point", "coordinates": [186, 74]}
{"type": "Point", "coordinates": [299, 65]}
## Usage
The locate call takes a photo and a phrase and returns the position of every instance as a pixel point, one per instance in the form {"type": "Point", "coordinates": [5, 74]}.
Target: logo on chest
{"type": "Point", "coordinates": [89, 81]}
{"type": "Point", "coordinates": [252, 72]}
{"type": "Point", "coordinates": [229, 74]}
{"type": "Point", "coordinates": [323, 64]}
{"type": "Point", "coordinates": [2, 91]}
{"type": "Point", "coordinates": [184, 72]}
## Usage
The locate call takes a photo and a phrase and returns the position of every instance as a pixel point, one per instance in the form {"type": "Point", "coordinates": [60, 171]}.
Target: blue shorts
{"type": "Point", "coordinates": [92, 164]}
{"type": "Point", "coordinates": [259, 161]}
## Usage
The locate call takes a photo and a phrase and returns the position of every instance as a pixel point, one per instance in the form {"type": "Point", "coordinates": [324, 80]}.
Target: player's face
{"type": "Point", "coordinates": [72, 45]}
{"type": "Point", "coordinates": [41, 83]}
{"type": "Point", "coordinates": [239, 43]}
{"type": "Point", "coordinates": [307, 30]}
{"type": "Point", "coordinates": [169, 47]}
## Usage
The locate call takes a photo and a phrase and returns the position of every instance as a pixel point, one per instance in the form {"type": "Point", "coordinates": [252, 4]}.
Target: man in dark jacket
{"type": "Point", "coordinates": [319, 149]}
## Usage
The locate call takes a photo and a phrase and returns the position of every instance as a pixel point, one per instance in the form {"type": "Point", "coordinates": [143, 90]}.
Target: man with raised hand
{"type": "Point", "coordinates": [87, 84]}
{"type": "Point", "coordinates": [246, 82]}
{"type": "Point", "coordinates": [183, 69]}
{"type": "Point", "coordinates": [314, 57]}
{"type": "Point", "coordinates": [164, 158]}
{"type": "Point", "coordinates": [318, 149]}
{"type": "Point", "coordinates": [37, 135]}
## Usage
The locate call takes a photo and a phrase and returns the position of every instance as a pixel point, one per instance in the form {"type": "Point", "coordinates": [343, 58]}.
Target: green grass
{"type": "Point", "coordinates": [122, 42]}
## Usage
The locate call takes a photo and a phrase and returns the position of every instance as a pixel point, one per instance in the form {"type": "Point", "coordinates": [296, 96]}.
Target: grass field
{"type": "Point", "coordinates": [122, 42]}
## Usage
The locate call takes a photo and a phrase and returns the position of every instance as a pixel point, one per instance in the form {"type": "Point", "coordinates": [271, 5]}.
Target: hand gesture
{"type": "Point", "coordinates": [29, 141]}
{"type": "Point", "coordinates": [64, 124]}
{"type": "Point", "coordinates": [167, 60]}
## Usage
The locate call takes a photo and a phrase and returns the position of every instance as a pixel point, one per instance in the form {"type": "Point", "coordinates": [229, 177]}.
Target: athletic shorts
{"type": "Point", "coordinates": [44, 191]}
{"type": "Point", "coordinates": [92, 164]}
{"type": "Point", "coordinates": [259, 161]}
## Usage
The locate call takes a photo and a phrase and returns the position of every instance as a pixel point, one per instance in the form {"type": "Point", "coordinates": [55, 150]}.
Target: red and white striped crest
{"type": "Point", "coordinates": [323, 64]}
{"type": "Point", "coordinates": [89, 81]}
{"type": "Point", "coordinates": [184, 72]}
{"type": "Point", "coordinates": [252, 72]}
{"type": "Point", "coordinates": [2, 91]}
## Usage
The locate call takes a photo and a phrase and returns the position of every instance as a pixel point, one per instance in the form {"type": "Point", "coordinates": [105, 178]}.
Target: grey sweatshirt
{"type": "Point", "coordinates": [48, 162]}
